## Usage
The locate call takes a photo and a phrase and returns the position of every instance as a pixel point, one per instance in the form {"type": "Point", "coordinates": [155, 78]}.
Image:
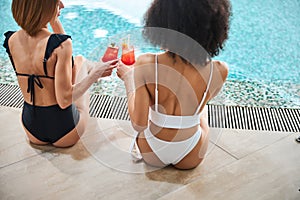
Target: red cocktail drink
{"type": "Point", "coordinates": [128, 57]}
{"type": "Point", "coordinates": [111, 53]}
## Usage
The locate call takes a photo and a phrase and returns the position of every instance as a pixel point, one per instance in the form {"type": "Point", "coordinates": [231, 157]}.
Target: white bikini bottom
{"type": "Point", "coordinates": [167, 152]}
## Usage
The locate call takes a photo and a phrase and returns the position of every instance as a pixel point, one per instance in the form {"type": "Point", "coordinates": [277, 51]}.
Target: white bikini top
{"type": "Point", "coordinates": [175, 121]}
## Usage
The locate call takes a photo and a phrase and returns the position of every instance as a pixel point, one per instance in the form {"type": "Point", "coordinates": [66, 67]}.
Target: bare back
{"type": "Point", "coordinates": [28, 56]}
{"type": "Point", "coordinates": [180, 86]}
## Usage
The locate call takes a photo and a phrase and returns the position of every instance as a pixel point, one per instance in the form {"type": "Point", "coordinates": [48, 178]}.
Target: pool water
{"type": "Point", "coordinates": [262, 50]}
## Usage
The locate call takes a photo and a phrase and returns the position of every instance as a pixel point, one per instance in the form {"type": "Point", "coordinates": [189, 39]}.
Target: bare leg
{"type": "Point", "coordinates": [196, 156]}
{"type": "Point", "coordinates": [205, 131]}
{"type": "Point", "coordinates": [148, 155]}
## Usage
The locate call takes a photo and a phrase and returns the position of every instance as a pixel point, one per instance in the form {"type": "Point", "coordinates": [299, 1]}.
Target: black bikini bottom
{"type": "Point", "coordinates": [49, 123]}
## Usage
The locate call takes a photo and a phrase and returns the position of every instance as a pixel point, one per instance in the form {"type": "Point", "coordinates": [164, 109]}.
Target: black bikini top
{"type": "Point", "coordinates": [53, 42]}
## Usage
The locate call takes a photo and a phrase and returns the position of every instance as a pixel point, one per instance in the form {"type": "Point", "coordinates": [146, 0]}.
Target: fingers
{"type": "Point", "coordinates": [111, 67]}
{"type": "Point", "coordinates": [121, 64]}
{"type": "Point", "coordinates": [121, 72]}
{"type": "Point", "coordinates": [118, 74]}
{"type": "Point", "coordinates": [107, 73]}
{"type": "Point", "coordinates": [112, 62]}
{"type": "Point", "coordinates": [108, 67]}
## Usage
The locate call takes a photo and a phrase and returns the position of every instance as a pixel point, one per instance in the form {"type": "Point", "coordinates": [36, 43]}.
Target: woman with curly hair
{"type": "Point", "coordinates": [167, 92]}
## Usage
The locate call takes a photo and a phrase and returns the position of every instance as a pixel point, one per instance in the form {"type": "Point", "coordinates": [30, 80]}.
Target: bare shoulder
{"type": "Point", "coordinates": [145, 59]}
{"type": "Point", "coordinates": [142, 67]}
{"type": "Point", "coordinates": [221, 68]}
{"type": "Point", "coordinates": [65, 48]}
{"type": "Point", "coordinates": [66, 44]}
{"type": "Point", "coordinates": [14, 40]}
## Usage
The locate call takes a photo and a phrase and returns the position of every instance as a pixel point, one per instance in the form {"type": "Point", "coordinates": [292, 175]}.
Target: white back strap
{"type": "Point", "coordinates": [207, 87]}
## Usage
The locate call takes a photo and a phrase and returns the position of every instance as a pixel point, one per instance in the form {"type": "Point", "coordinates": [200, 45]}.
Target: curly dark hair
{"type": "Point", "coordinates": [204, 21]}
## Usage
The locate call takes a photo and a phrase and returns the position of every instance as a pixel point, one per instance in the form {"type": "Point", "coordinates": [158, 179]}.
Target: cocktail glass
{"type": "Point", "coordinates": [128, 57]}
{"type": "Point", "coordinates": [111, 53]}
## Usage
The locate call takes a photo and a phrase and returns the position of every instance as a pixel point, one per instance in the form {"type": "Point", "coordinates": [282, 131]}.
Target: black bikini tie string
{"type": "Point", "coordinates": [33, 79]}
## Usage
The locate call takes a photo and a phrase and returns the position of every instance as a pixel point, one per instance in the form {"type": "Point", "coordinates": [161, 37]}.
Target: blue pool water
{"type": "Point", "coordinates": [262, 51]}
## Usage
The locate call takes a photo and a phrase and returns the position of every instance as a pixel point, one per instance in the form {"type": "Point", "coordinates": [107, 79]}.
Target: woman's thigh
{"type": "Point", "coordinates": [148, 155]}
{"type": "Point", "coordinates": [74, 135]}
{"type": "Point", "coordinates": [195, 157]}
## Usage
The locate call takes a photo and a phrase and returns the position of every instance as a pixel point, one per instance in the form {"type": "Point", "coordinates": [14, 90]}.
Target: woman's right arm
{"type": "Point", "coordinates": [99, 70]}
{"type": "Point", "coordinates": [219, 77]}
{"type": "Point", "coordinates": [65, 91]}
{"type": "Point", "coordinates": [138, 98]}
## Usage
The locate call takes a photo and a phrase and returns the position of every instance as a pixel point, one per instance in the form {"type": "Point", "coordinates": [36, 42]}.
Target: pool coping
{"type": "Point", "coordinates": [220, 116]}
